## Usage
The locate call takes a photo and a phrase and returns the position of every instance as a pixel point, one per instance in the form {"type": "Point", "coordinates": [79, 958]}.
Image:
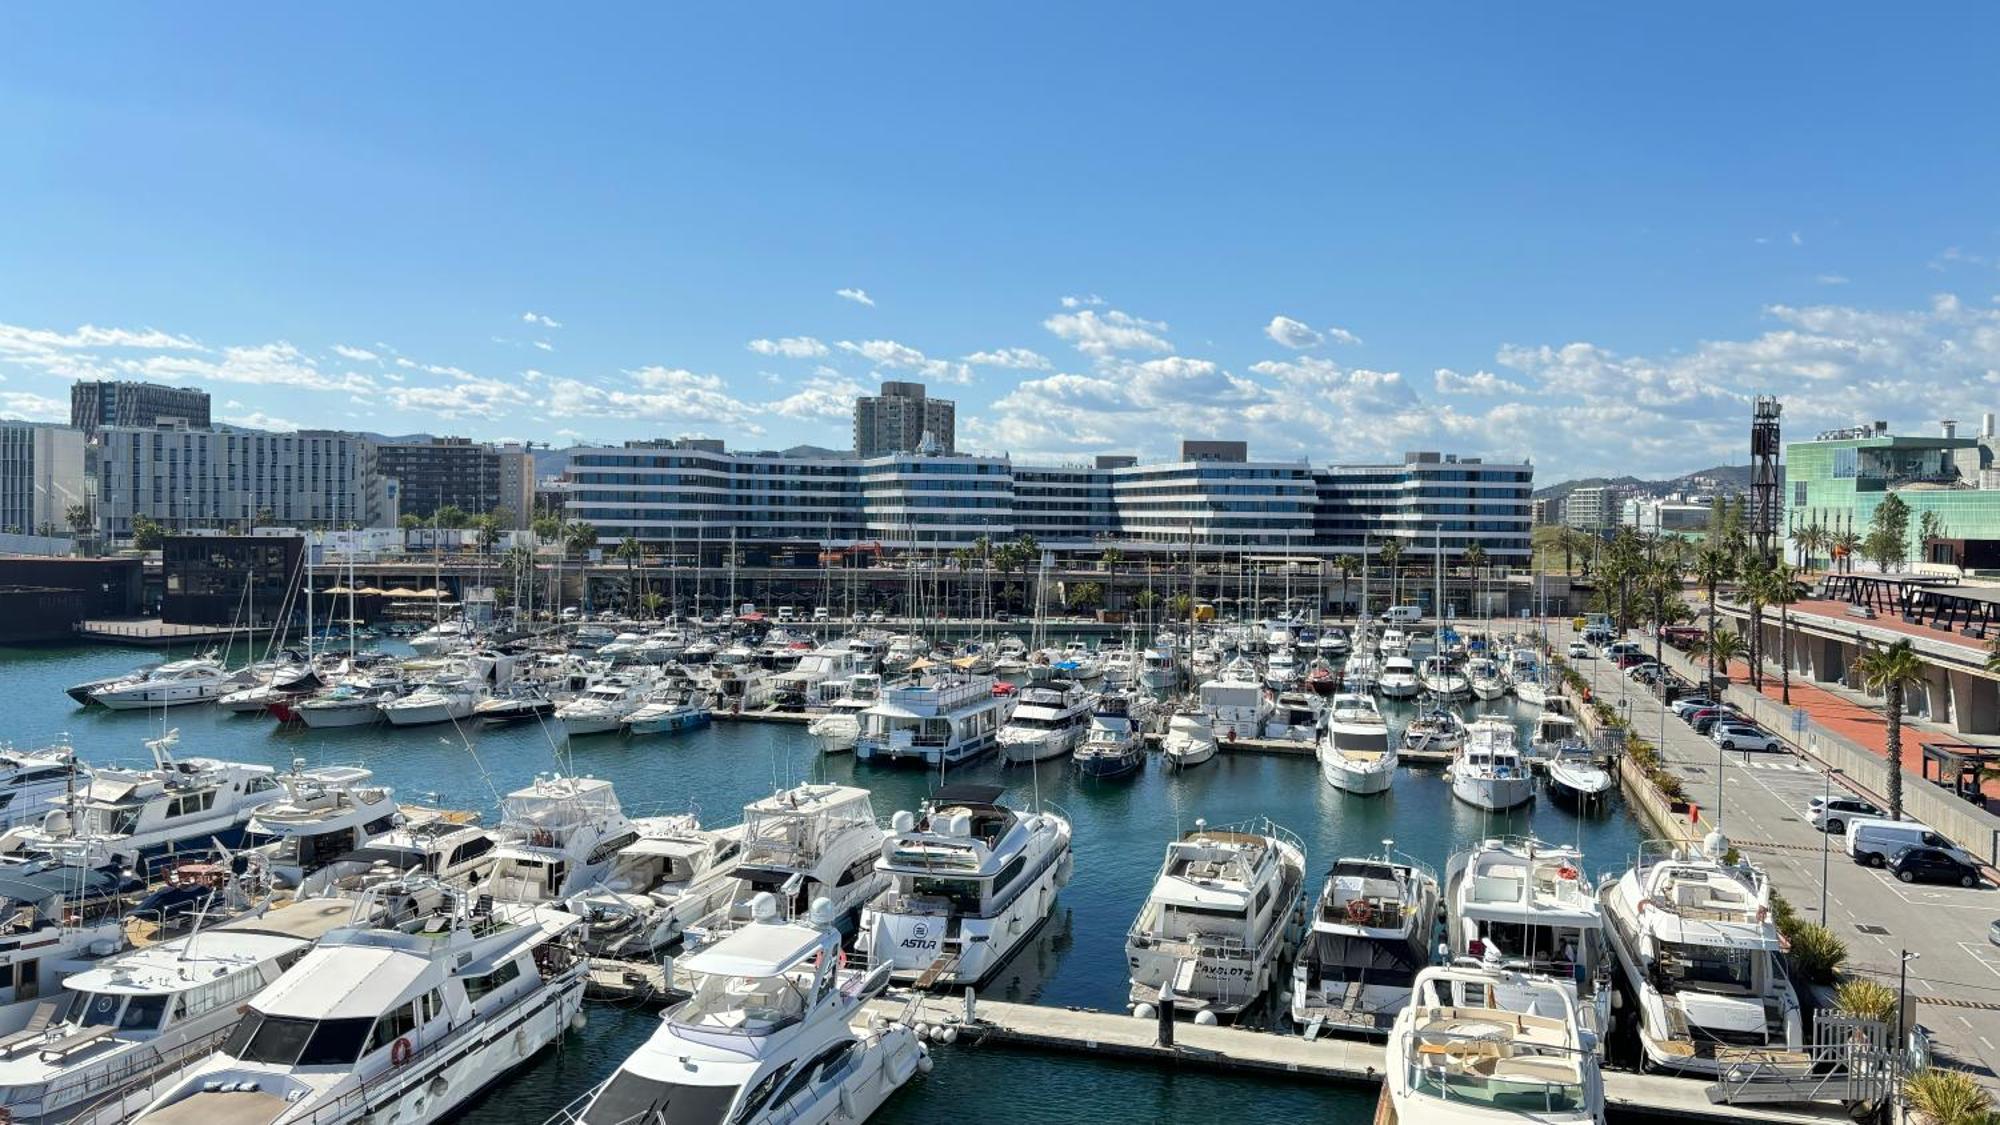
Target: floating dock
{"type": "Point", "coordinates": [1628, 1097]}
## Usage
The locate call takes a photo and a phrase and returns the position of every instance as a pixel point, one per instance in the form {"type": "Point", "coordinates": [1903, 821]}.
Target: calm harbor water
{"type": "Point", "coordinates": [1121, 830]}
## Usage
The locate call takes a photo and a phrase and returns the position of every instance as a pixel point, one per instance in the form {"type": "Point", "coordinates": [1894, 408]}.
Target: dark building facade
{"type": "Point", "coordinates": [229, 579]}
{"type": "Point", "coordinates": [104, 587]}
{"type": "Point", "coordinates": [441, 472]}
{"type": "Point", "coordinates": [119, 403]}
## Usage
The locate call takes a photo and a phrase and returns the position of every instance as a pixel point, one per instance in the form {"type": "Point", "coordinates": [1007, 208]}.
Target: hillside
{"type": "Point", "coordinates": [1728, 479]}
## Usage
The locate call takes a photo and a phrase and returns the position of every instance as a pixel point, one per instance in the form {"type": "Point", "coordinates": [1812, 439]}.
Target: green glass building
{"type": "Point", "coordinates": [1838, 480]}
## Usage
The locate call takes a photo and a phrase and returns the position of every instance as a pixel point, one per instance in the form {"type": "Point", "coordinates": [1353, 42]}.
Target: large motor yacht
{"type": "Point", "coordinates": [809, 844]}
{"type": "Point", "coordinates": [173, 684]}
{"type": "Point", "coordinates": [34, 782]}
{"type": "Point", "coordinates": [324, 813]}
{"type": "Point", "coordinates": [1478, 1044]}
{"type": "Point", "coordinates": [672, 876]}
{"type": "Point", "coordinates": [1697, 948]}
{"type": "Point", "coordinates": [772, 1032]}
{"type": "Point", "coordinates": [1355, 754]}
{"type": "Point", "coordinates": [1115, 745]}
{"type": "Point", "coordinates": [1373, 929]}
{"type": "Point", "coordinates": [1049, 721]}
{"type": "Point", "coordinates": [1488, 771]}
{"type": "Point", "coordinates": [939, 722]}
{"type": "Point", "coordinates": [1296, 716]}
{"type": "Point", "coordinates": [1529, 905]}
{"type": "Point", "coordinates": [59, 919]}
{"type": "Point", "coordinates": [561, 835]}
{"type": "Point", "coordinates": [1222, 918]}
{"type": "Point", "coordinates": [970, 882]}
{"type": "Point", "coordinates": [136, 1018]}
{"type": "Point", "coordinates": [380, 1022]}
{"type": "Point", "coordinates": [446, 849]}
{"type": "Point", "coordinates": [1237, 701]}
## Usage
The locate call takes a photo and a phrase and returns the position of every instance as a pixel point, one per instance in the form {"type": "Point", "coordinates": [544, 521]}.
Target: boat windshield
{"type": "Point", "coordinates": [110, 820]}
{"type": "Point", "coordinates": [966, 896]}
{"type": "Point", "coordinates": [1709, 968]}
{"type": "Point", "coordinates": [291, 1041]}
{"type": "Point", "coordinates": [632, 1099]}
{"type": "Point", "coordinates": [745, 1005]}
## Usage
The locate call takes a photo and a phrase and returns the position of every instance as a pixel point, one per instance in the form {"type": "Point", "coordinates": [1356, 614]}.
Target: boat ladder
{"type": "Point", "coordinates": [944, 965]}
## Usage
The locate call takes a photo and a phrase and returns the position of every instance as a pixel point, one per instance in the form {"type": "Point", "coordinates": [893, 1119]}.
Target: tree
{"type": "Point", "coordinates": [1812, 539]}
{"type": "Point", "coordinates": [1392, 557]}
{"type": "Point", "coordinates": [1892, 671]}
{"type": "Point", "coordinates": [1786, 588]}
{"type": "Point", "coordinates": [1179, 605]}
{"type": "Point", "coordinates": [409, 522]}
{"type": "Point", "coordinates": [1660, 596]}
{"type": "Point", "coordinates": [1755, 592]}
{"type": "Point", "coordinates": [578, 536]}
{"type": "Point", "coordinates": [1474, 558]}
{"type": "Point", "coordinates": [488, 526]}
{"type": "Point", "coordinates": [450, 515]}
{"type": "Point", "coordinates": [651, 601]}
{"type": "Point", "coordinates": [1712, 568]}
{"type": "Point", "coordinates": [1721, 648]}
{"type": "Point", "coordinates": [1085, 596]}
{"type": "Point", "coordinates": [1347, 565]}
{"type": "Point", "coordinates": [1844, 546]}
{"type": "Point", "coordinates": [147, 534]}
{"type": "Point", "coordinates": [79, 519]}
{"type": "Point", "coordinates": [632, 553]}
{"type": "Point", "coordinates": [1112, 557]}
{"type": "Point", "coordinates": [265, 517]}
{"type": "Point", "coordinates": [1889, 533]}
{"type": "Point", "coordinates": [547, 529]}
{"type": "Point", "coordinates": [1145, 602]}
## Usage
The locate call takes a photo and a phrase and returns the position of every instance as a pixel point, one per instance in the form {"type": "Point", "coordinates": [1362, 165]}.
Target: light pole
{"type": "Point", "coordinates": [1903, 998]}
{"type": "Point", "coordinates": [1825, 842]}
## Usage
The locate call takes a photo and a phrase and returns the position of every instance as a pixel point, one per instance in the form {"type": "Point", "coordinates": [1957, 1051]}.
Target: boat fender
{"type": "Point", "coordinates": [949, 1034]}
{"type": "Point", "coordinates": [924, 1063]}
{"type": "Point", "coordinates": [401, 1052]}
{"type": "Point", "coordinates": [1205, 1018]}
{"type": "Point", "coordinates": [1145, 1011]}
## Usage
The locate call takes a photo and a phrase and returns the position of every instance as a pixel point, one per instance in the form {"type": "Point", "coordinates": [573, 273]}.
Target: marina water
{"type": "Point", "coordinates": [1122, 828]}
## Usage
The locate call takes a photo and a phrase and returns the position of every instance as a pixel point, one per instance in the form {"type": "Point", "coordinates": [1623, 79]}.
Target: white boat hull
{"type": "Point", "coordinates": [1493, 794]}
{"type": "Point", "coordinates": [912, 943]}
{"type": "Point", "coordinates": [149, 696]}
{"type": "Point", "coordinates": [1531, 693]}
{"type": "Point", "coordinates": [349, 715]}
{"type": "Point", "coordinates": [1020, 750]}
{"type": "Point", "coordinates": [1362, 778]}
{"type": "Point", "coordinates": [416, 715]}
{"type": "Point", "coordinates": [574, 725]}
{"type": "Point", "coordinates": [1488, 689]}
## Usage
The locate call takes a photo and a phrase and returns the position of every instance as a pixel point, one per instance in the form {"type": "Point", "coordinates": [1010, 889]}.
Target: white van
{"type": "Point", "coordinates": [1873, 843]}
{"type": "Point", "coordinates": [1402, 615]}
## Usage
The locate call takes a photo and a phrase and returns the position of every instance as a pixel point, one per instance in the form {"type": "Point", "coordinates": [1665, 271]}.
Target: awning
{"type": "Point", "coordinates": [762, 950]}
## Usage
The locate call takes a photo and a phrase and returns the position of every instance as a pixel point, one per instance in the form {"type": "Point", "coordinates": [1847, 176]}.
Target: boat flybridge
{"type": "Point", "coordinates": [55, 919]}
{"type": "Point", "coordinates": [125, 815]}
{"type": "Point", "coordinates": [970, 882]}
{"type": "Point", "coordinates": [809, 844]}
{"type": "Point", "coordinates": [1697, 947]}
{"type": "Point", "coordinates": [1524, 904]}
{"type": "Point", "coordinates": [1222, 918]}
{"type": "Point", "coordinates": [1373, 929]}
{"type": "Point", "coordinates": [136, 1017]}
{"type": "Point", "coordinates": [772, 1031]}
{"type": "Point", "coordinates": [1355, 754]}
{"type": "Point", "coordinates": [324, 813]}
{"type": "Point", "coordinates": [939, 722]}
{"type": "Point", "coordinates": [1488, 771]}
{"type": "Point", "coordinates": [33, 782]}
{"type": "Point", "coordinates": [447, 849]}
{"type": "Point", "coordinates": [423, 1000]}
{"type": "Point", "coordinates": [673, 875]}
{"type": "Point", "coordinates": [1236, 700]}
{"type": "Point", "coordinates": [1479, 1044]}
{"type": "Point", "coordinates": [1049, 720]}
{"type": "Point", "coordinates": [560, 837]}
{"type": "Point", "coordinates": [837, 730]}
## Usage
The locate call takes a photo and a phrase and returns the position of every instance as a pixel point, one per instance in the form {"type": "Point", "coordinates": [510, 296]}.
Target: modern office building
{"type": "Point", "coordinates": [474, 477]}
{"type": "Point", "coordinates": [1429, 502]}
{"type": "Point", "coordinates": [1655, 516]}
{"type": "Point", "coordinates": [1839, 478]}
{"type": "Point", "coordinates": [188, 479]}
{"type": "Point", "coordinates": [228, 579]}
{"type": "Point", "coordinates": [900, 418]}
{"type": "Point", "coordinates": [1595, 508]}
{"type": "Point", "coordinates": [687, 492]}
{"type": "Point", "coordinates": [41, 477]}
{"type": "Point", "coordinates": [97, 404]}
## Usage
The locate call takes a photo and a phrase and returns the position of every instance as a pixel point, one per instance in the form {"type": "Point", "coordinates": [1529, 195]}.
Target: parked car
{"type": "Point", "coordinates": [1629, 660]}
{"type": "Point", "coordinates": [1732, 735]}
{"type": "Point", "coordinates": [1688, 705]}
{"type": "Point", "coordinates": [1647, 673]}
{"type": "Point", "coordinates": [1933, 865]}
{"type": "Point", "coordinates": [1993, 932]}
{"type": "Point", "coordinates": [1833, 816]}
{"type": "Point", "coordinates": [1704, 720]}
{"type": "Point", "coordinates": [1598, 635]}
{"type": "Point", "coordinates": [1579, 651]}
{"type": "Point", "coordinates": [1872, 842]}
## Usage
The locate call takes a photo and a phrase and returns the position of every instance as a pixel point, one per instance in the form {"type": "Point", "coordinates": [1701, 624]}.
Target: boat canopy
{"type": "Point", "coordinates": [757, 950]}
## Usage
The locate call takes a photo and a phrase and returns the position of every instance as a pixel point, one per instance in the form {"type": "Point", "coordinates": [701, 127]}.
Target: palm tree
{"type": "Point", "coordinates": [1721, 648]}
{"type": "Point", "coordinates": [1144, 601]}
{"type": "Point", "coordinates": [1755, 591]}
{"type": "Point", "coordinates": [1811, 539]}
{"type": "Point", "coordinates": [1845, 544]}
{"type": "Point", "coordinates": [1347, 565]}
{"type": "Point", "coordinates": [1474, 559]}
{"type": "Point", "coordinates": [651, 601]}
{"type": "Point", "coordinates": [1392, 557]}
{"type": "Point", "coordinates": [1660, 594]}
{"type": "Point", "coordinates": [1786, 588]}
{"type": "Point", "coordinates": [1112, 557]}
{"type": "Point", "coordinates": [578, 536]}
{"type": "Point", "coordinates": [1891, 671]}
{"type": "Point", "coordinates": [632, 553]}
{"type": "Point", "coordinates": [1713, 567]}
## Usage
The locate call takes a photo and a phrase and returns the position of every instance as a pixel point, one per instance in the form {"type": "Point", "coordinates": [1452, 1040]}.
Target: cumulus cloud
{"type": "Point", "coordinates": [1080, 302]}
{"type": "Point", "coordinates": [1022, 359]}
{"type": "Point", "coordinates": [279, 364]}
{"type": "Point", "coordinates": [544, 345]}
{"type": "Point", "coordinates": [358, 355]}
{"type": "Point", "coordinates": [891, 355]}
{"type": "Point", "coordinates": [1449, 382]}
{"type": "Point", "coordinates": [30, 407]}
{"type": "Point", "coordinates": [258, 420]}
{"type": "Point", "coordinates": [820, 399]}
{"type": "Point", "coordinates": [655, 393]}
{"type": "Point", "coordinates": [1292, 333]}
{"type": "Point", "coordinates": [539, 319]}
{"type": "Point", "coordinates": [858, 296]}
{"type": "Point", "coordinates": [790, 347]}
{"type": "Point", "coordinates": [467, 396]}
{"type": "Point", "coordinates": [1104, 335]}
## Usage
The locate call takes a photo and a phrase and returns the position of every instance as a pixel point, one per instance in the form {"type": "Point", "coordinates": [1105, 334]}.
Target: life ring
{"type": "Point", "coordinates": [1232, 734]}
{"type": "Point", "coordinates": [401, 1052]}
{"type": "Point", "coordinates": [1567, 872]}
{"type": "Point", "coordinates": [1359, 912]}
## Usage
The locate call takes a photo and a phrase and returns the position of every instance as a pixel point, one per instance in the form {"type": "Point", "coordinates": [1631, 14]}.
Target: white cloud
{"type": "Point", "coordinates": [894, 356]}
{"type": "Point", "coordinates": [858, 296]}
{"type": "Point", "coordinates": [539, 319]}
{"type": "Point", "coordinates": [790, 347]}
{"type": "Point", "coordinates": [1796, 240]}
{"type": "Point", "coordinates": [258, 420]}
{"type": "Point", "coordinates": [544, 345]}
{"type": "Point", "coordinates": [1022, 359]}
{"type": "Point", "coordinates": [358, 355]}
{"type": "Point", "coordinates": [1079, 302]}
{"type": "Point", "coordinates": [661, 393]}
{"type": "Point", "coordinates": [469, 396]}
{"type": "Point", "coordinates": [1830, 279]}
{"type": "Point", "coordinates": [32, 407]}
{"type": "Point", "coordinates": [1292, 333]}
{"type": "Point", "coordinates": [1114, 331]}
{"type": "Point", "coordinates": [275, 364]}
{"type": "Point", "coordinates": [820, 399]}
{"type": "Point", "coordinates": [1449, 382]}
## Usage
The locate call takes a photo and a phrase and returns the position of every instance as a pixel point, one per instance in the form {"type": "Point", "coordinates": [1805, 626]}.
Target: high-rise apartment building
{"type": "Point", "coordinates": [474, 477]}
{"type": "Point", "coordinates": [517, 483]}
{"type": "Point", "coordinates": [41, 476]}
{"type": "Point", "coordinates": [1595, 508]}
{"type": "Point", "coordinates": [189, 479]}
{"type": "Point", "coordinates": [900, 418]}
{"type": "Point", "coordinates": [97, 404]}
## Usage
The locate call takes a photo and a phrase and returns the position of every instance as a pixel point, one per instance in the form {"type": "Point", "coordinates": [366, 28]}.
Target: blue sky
{"type": "Point", "coordinates": [1561, 231]}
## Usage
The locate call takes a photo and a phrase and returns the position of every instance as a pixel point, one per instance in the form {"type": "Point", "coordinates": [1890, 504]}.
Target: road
{"type": "Point", "coordinates": [1764, 801]}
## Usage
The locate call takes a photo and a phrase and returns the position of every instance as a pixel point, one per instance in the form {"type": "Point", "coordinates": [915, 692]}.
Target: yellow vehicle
{"type": "Point", "coordinates": [1204, 611]}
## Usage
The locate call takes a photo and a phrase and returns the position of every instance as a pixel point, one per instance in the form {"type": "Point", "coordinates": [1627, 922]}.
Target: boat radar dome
{"type": "Point", "coordinates": [1715, 845]}
{"type": "Point", "coordinates": [764, 907]}
{"type": "Point", "coordinates": [822, 913]}
{"type": "Point", "coordinates": [903, 821]}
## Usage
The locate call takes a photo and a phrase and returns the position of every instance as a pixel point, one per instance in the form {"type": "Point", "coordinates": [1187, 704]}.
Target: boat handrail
{"type": "Point", "coordinates": [113, 1085]}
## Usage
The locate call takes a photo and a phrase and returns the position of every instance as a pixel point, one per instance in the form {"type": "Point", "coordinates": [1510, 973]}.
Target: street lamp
{"type": "Point", "coordinates": [1903, 997]}
{"type": "Point", "coordinates": [1825, 841]}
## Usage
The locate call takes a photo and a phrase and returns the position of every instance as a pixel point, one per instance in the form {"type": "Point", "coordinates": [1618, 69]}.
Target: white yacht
{"type": "Point", "coordinates": [772, 1033]}
{"type": "Point", "coordinates": [1373, 929]}
{"type": "Point", "coordinates": [1443, 679]}
{"type": "Point", "coordinates": [1189, 741]}
{"type": "Point", "coordinates": [1333, 644]}
{"type": "Point", "coordinates": [402, 1022]}
{"type": "Point", "coordinates": [561, 835]}
{"type": "Point", "coordinates": [970, 882]}
{"type": "Point", "coordinates": [354, 702]}
{"type": "Point", "coordinates": [1485, 679]}
{"type": "Point", "coordinates": [804, 845]}
{"type": "Point", "coordinates": [939, 722]}
{"type": "Point", "coordinates": [1222, 918]}
{"type": "Point", "coordinates": [445, 636]}
{"type": "Point", "coordinates": [1355, 754]}
{"type": "Point", "coordinates": [1116, 744]}
{"type": "Point", "coordinates": [1121, 668]}
{"type": "Point", "coordinates": [34, 782]}
{"type": "Point", "coordinates": [1398, 678]}
{"type": "Point", "coordinates": [1698, 949]}
{"type": "Point", "coordinates": [820, 677]}
{"type": "Point", "coordinates": [126, 815]}
{"type": "Point", "coordinates": [1237, 701]}
{"type": "Point", "coordinates": [1392, 642]}
{"type": "Point", "coordinates": [1295, 716]}
{"type": "Point", "coordinates": [837, 730]}
{"type": "Point", "coordinates": [173, 684]}
{"type": "Point", "coordinates": [1158, 671]}
{"type": "Point", "coordinates": [1437, 730]}
{"type": "Point", "coordinates": [1529, 905]}
{"type": "Point", "coordinates": [137, 1017]}
{"type": "Point", "coordinates": [443, 700]}
{"type": "Point", "coordinates": [1488, 771]}
{"type": "Point", "coordinates": [1282, 672]}
{"type": "Point", "coordinates": [56, 919]}
{"type": "Point", "coordinates": [1049, 721]}
{"type": "Point", "coordinates": [1554, 732]}
{"type": "Point", "coordinates": [324, 813]}
{"type": "Point", "coordinates": [1478, 1045]}
{"type": "Point", "coordinates": [1574, 777]}
{"type": "Point", "coordinates": [667, 711]}
{"type": "Point", "coordinates": [672, 876]}
{"type": "Point", "coordinates": [602, 707]}
{"type": "Point", "coordinates": [447, 849]}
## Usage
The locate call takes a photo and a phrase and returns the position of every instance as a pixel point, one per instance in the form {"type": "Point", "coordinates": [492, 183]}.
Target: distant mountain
{"type": "Point", "coordinates": [1725, 479]}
